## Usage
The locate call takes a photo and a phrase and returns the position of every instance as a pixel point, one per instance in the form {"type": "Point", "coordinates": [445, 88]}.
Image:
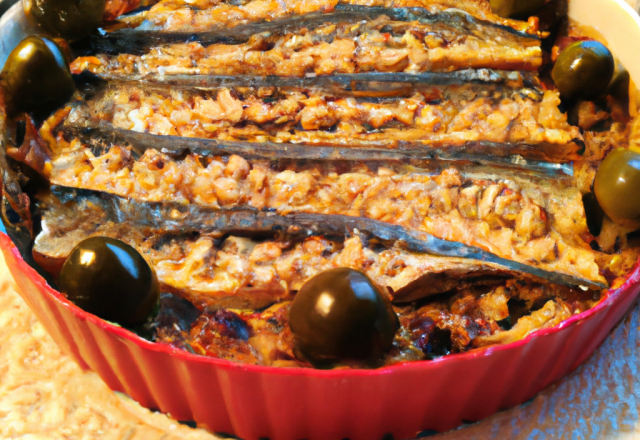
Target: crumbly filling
{"type": "Point", "coordinates": [448, 116]}
{"type": "Point", "coordinates": [240, 272]}
{"type": "Point", "coordinates": [380, 45]}
{"type": "Point", "coordinates": [465, 317]}
{"type": "Point", "coordinates": [203, 15]}
{"type": "Point", "coordinates": [115, 8]}
{"type": "Point", "coordinates": [470, 318]}
{"type": "Point", "coordinates": [534, 222]}
{"type": "Point", "coordinates": [242, 287]}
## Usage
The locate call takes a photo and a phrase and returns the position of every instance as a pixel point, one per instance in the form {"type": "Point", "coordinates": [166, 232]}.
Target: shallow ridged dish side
{"type": "Point", "coordinates": [285, 404]}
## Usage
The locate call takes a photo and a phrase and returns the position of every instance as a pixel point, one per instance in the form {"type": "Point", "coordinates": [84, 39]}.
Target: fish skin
{"type": "Point", "coordinates": [173, 217]}
{"type": "Point", "coordinates": [538, 156]}
{"type": "Point", "coordinates": [342, 84]}
{"type": "Point", "coordinates": [137, 39]}
{"type": "Point", "coordinates": [504, 154]}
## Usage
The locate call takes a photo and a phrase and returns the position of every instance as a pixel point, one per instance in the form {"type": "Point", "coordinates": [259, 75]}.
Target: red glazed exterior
{"type": "Point", "coordinates": [287, 404]}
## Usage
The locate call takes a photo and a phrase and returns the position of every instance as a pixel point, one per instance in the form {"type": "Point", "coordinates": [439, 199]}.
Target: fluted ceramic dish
{"type": "Point", "coordinates": [252, 401]}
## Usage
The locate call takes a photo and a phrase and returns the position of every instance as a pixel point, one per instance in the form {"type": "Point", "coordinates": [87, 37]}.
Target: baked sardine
{"type": "Point", "coordinates": [344, 41]}
{"type": "Point", "coordinates": [432, 121]}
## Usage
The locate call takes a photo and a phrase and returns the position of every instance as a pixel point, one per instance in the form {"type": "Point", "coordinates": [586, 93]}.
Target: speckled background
{"type": "Point", "coordinates": [44, 395]}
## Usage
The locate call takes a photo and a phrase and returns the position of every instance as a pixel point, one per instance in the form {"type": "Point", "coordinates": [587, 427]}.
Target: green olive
{"type": "Point", "coordinates": [617, 186]}
{"type": "Point", "coordinates": [515, 8]}
{"type": "Point", "coordinates": [110, 279]}
{"type": "Point", "coordinates": [583, 70]}
{"type": "Point", "coordinates": [341, 314]}
{"type": "Point", "coordinates": [36, 77]}
{"type": "Point", "coordinates": [68, 19]}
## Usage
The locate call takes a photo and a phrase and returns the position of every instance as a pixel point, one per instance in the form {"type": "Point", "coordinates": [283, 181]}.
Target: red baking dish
{"type": "Point", "coordinates": [252, 401]}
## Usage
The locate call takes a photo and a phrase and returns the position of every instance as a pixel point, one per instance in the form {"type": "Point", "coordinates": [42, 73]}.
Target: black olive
{"type": "Point", "coordinates": [583, 70]}
{"type": "Point", "coordinates": [515, 8]}
{"type": "Point", "coordinates": [617, 186]}
{"type": "Point", "coordinates": [36, 77]}
{"type": "Point", "coordinates": [110, 279]}
{"type": "Point", "coordinates": [341, 314]}
{"type": "Point", "coordinates": [619, 87]}
{"type": "Point", "coordinates": [594, 213]}
{"type": "Point", "coordinates": [68, 19]}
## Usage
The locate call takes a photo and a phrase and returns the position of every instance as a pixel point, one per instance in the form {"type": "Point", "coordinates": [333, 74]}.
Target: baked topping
{"type": "Point", "coordinates": [514, 216]}
{"type": "Point", "coordinates": [430, 119]}
{"type": "Point", "coordinates": [381, 44]}
{"type": "Point", "coordinates": [173, 16]}
{"type": "Point", "coordinates": [292, 169]}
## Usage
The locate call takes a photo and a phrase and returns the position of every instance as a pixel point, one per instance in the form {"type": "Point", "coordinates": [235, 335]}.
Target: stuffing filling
{"type": "Point", "coordinates": [380, 45]}
{"type": "Point", "coordinates": [204, 15]}
{"type": "Point", "coordinates": [448, 117]}
{"type": "Point", "coordinates": [227, 292]}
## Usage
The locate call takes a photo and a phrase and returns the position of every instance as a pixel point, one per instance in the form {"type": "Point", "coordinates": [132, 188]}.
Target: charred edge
{"type": "Point", "coordinates": [180, 218]}
{"type": "Point", "coordinates": [390, 83]}
{"type": "Point", "coordinates": [136, 40]}
{"type": "Point", "coordinates": [423, 16]}
{"type": "Point", "coordinates": [14, 200]}
{"type": "Point", "coordinates": [15, 206]}
{"type": "Point", "coordinates": [540, 158]}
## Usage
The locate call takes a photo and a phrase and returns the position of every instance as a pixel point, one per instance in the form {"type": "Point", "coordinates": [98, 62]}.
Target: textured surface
{"type": "Point", "coordinates": [43, 393]}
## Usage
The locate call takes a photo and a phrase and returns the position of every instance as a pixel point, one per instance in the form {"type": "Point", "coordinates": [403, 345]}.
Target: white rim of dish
{"type": "Point", "coordinates": [618, 23]}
